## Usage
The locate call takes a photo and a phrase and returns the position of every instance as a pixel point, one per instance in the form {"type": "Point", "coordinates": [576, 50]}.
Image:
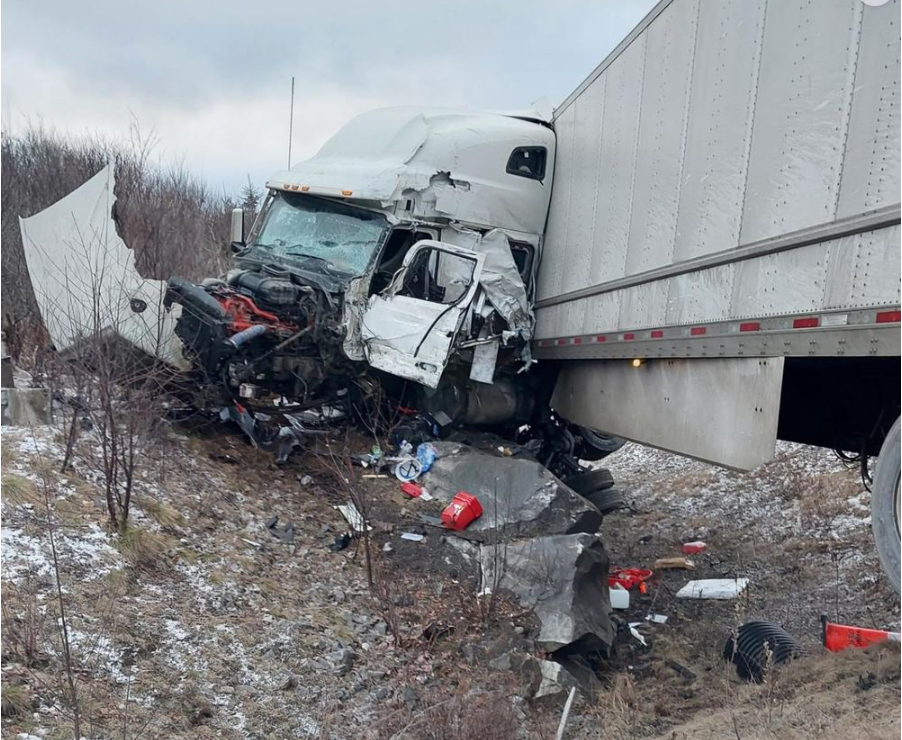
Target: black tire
{"type": "Point", "coordinates": [610, 499]}
{"type": "Point", "coordinates": [596, 446]}
{"type": "Point", "coordinates": [758, 646]}
{"type": "Point", "coordinates": [594, 480]}
{"type": "Point", "coordinates": [885, 507]}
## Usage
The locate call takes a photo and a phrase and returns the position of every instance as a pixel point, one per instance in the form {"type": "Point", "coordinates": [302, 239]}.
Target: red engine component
{"type": "Point", "coordinates": [245, 313]}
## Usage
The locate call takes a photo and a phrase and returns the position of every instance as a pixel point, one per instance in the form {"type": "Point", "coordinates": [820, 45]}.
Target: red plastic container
{"type": "Point", "coordinates": [629, 577]}
{"type": "Point", "coordinates": [694, 548]}
{"type": "Point", "coordinates": [463, 510]}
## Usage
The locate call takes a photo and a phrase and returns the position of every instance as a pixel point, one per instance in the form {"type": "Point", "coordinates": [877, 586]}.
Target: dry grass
{"type": "Point", "coordinates": [164, 515]}
{"type": "Point", "coordinates": [830, 697]}
{"type": "Point", "coordinates": [143, 549]}
{"type": "Point", "coordinates": [19, 491]}
{"type": "Point", "coordinates": [16, 700]}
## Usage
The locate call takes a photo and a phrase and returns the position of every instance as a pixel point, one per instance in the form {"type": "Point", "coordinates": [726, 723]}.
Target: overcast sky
{"type": "Point", "coordinates": [212, 79]}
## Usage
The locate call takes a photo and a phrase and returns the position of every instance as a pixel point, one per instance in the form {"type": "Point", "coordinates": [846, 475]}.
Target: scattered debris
{"type": "Point", "coordinates": [408, 469]}
{"type": "Point", "coordinates": [353, 516]}
{"type": "Point", "coordinates": [713, 588]}
{"type": "Point", "coordinates": [629, 578]}
{"type": "Point", "coordinates": [224, 457]}
{"type": "Point", "coordinates": [559, 735]}
{"type": "Point", "coordinates": [694, 548]}
{"type": "Point", "coordinates": [306, 480]}
{"type": "Point", "coordinates": [756, 647]}
{"type": "Point", "coordinates": [620, 597]}
{"type": "Point", "coordinates": [656, 618]}
{"type": "Point", "coordinates": [638, 635]}
{"type": "Point", "coordinates": [674, 564]}
{"type": "Point", "coordinates": [412, 536]}
{"type": "Point", "coordinates": [284, 533]}
{"type": "Point", "coordinates": [426, 454]}
{"type": "Point", "coordinates": [463, 510]}
{"type": "Point", "coordinates": [680, 669]}
{"type": "Point", "coordinates": [341, 542]}
{"type": "Point", "coordinates": [414, 490]}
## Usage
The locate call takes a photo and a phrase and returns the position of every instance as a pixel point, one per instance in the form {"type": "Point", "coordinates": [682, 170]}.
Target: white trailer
{"type": "Point", "coordinates": [721, 264]}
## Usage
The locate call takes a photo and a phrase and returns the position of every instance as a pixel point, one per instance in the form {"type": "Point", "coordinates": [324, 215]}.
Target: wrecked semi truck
{"type": "Point", "coordinates": [700, 248]}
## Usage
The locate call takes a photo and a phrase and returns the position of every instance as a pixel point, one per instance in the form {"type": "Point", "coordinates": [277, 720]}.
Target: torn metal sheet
{"type": "Point", "coordinates": [485, 357]}
{"type": "Point", "coordinates": [85, 280]}
{"type": "Point", "coordinates": [500, 278]}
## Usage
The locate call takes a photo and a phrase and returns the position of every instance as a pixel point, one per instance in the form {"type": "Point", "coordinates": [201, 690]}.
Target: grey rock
{"type": "Point", "coordinates": [403, 600]}
{"type": "Point", "coordinates": [381, 694]}
{"type": "Point", "coordinates": [342, 660]}
{"type": "Point", "coordinates": [410, 696]}
{"type": "Point", "coordinates": [501, 663]}
{"type": "Point", "coordinates": [519, 497]}
{"type": "Point", "coordinates": [563, 579]}
{"type": "Point", "coordinates": [555, 679]}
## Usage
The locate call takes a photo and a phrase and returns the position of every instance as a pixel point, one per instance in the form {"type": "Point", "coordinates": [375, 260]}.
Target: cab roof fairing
{"type": "Point", "coordinates": [450, 163]}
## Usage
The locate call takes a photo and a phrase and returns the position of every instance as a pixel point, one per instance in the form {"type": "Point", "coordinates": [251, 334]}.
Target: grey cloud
{"type": "Point", "coordinates": [188, 52]}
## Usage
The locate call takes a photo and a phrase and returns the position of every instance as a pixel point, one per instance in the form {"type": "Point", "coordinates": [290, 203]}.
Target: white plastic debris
{"type": "Point", "coordinates": [353, 516]}
{"type": "Point", "coordinates": [713, 588]}
{"type": "Point", "coordinates": [620, 597]}
{"type": "Point", "coordinates": [638, 635]}
{"type": "Point", "coordinates": [412, 537]}
{"type": "Point", "coordinates": [656, 618]}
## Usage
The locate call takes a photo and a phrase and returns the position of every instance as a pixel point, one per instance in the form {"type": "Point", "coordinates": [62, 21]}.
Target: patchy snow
{"type": "Point", "coordinates": [86, 549]}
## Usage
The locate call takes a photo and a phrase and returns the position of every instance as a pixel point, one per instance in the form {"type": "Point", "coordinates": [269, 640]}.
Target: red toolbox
{"type": "Point", "coordinates": [462, 511]}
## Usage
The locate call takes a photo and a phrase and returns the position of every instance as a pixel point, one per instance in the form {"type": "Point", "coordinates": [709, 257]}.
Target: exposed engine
{"type": "Point", "coordinates": [263, 338]}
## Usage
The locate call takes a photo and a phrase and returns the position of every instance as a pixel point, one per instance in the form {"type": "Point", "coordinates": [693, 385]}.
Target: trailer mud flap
{"type": "Point", "coordinates": [723, 411]}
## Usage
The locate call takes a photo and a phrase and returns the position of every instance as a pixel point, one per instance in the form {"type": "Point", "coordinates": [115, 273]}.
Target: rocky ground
{"type": "Point", "coordinates": [199, 621]}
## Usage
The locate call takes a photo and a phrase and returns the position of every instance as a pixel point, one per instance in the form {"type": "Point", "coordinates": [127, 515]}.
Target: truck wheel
{"type": "Point", "coordinates": [594, 480]}
{"type": "Point", "coordinates": [885, 506]}
{"type": "Point", "coordinates": [607, 500]}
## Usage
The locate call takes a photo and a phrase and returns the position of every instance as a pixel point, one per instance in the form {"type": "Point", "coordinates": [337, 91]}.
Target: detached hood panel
{"type": "Point", "coordinates": [85, 280]}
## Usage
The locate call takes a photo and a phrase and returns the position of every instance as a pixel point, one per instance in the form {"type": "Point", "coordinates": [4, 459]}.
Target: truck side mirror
{"type": "Point", "coordinates": [237, 230]}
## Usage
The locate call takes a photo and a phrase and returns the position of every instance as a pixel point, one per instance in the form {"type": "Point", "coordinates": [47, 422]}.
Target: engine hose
{"type": "Point", "coordinates": [246, 335]}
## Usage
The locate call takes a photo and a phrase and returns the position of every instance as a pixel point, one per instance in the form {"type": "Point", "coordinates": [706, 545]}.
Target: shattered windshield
{"type": "Point", "coordinates": [331, 236]}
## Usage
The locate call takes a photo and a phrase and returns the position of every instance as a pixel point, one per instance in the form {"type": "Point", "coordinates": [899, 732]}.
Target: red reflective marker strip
{"type": "Point", "coordinates": [628, 336]}
{"type": "Point", "coordinates": [696, 331]}
{"type": "Point", "coordinates": [577, 340]}
{"type": "Point", "coordinates": [657, 334]}
{"type": "Point", "coordinates": [750, 326]}
{"type": "Point", "coordinates": [808, 323]}
{"type": "Point", "coordinates": [560, 342]}
{"type": "Point", "coordinates": [601, 338]}
{"type": "Point", "coordinates": [888, 317]}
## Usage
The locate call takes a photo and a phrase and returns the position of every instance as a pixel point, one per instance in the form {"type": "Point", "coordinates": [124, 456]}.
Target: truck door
{"type": "Point", "coordinates": [408, 329]}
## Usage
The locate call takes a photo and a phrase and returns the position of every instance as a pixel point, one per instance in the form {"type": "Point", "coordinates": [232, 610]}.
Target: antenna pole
{"type": "Point", "coordinates": [291, 122]}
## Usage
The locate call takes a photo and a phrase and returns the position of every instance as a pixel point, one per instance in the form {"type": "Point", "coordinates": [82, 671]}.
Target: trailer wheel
{"type": "Point", "coordinates": [885, 507]}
